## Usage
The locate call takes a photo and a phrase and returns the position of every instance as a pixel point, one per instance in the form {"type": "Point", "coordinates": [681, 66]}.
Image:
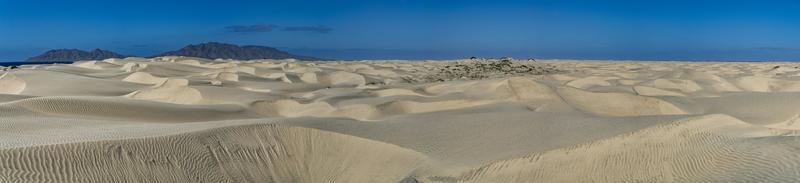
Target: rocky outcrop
{"type": "Point", "coordinates": [64, 55]}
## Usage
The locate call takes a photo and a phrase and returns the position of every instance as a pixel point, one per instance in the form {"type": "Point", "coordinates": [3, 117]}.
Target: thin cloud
{"type": "Point", "coordinates": [314, 29]}
{"type": "Point", "coordinates": [251, 28]}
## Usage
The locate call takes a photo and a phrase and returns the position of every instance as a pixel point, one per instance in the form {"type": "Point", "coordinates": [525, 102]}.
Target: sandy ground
{"type": "Point", "coordinates": [192, 120]}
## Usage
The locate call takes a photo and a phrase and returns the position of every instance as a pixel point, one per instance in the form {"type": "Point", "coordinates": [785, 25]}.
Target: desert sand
{"type": "Point", "coordinates": [179, 119]}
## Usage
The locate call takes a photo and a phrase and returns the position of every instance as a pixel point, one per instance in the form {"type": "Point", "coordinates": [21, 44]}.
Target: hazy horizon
{"type": "Point", "coordinates": [411, 29]}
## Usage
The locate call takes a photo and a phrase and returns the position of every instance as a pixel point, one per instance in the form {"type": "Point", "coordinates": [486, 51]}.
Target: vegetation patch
{"type": "Point", "coordinates": [480, 69]}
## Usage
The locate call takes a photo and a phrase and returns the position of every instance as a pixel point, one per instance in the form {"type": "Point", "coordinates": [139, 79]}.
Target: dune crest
{"type": "Point", "coordinates": [170, 91]}
{"type": "Point", "coordinates": [10, 84]}
{"type": "Point", "coordinates": [617, 104]}
{"type": "Point", "coordinates": [144, 78]}
{"type": "Point", "coordinates": [650, 91]}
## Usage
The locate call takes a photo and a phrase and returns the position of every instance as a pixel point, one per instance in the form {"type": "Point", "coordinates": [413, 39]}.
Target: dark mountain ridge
{"type": "Point", "coordinates": [210, 50]}
{"type": "Point", "coordinates": [64, 55]}
{"type": "Point", "coordinates": [215, 50]}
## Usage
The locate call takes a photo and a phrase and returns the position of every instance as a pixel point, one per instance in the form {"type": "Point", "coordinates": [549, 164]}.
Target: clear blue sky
{"type": "Point", "coordinates": [411, 29]}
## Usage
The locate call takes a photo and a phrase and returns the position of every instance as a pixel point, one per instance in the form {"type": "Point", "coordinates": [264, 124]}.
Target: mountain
{"type": "Point", "coordinates": [211, 50]}
{"type": "Point", "coordinates": [60, 55]}
{"type": "Point", "coordinates": [214, 50]}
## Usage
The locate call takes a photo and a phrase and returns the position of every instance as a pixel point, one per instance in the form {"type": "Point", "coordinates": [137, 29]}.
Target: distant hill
{"type": "Point", "coordinates": [65, 55]}
{"type": "Point", "coordinates": [211, 50]}
{"type": "Point", "coordinates": [214, 50]}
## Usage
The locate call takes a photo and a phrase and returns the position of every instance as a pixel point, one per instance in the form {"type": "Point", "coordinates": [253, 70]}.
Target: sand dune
{"type": "Point", "coordinates": [713, 82]}
{"type": "Point", "coordinates": [144, 78]}
{"type": "Point", "coordinates": [703, 149]}
{"type": "Point", "coordinates": [343, 79]}
{"type": "Point", "coordinates": [765, 84]}
{"type": "Point", "coordinates": [182, 119]}
{"type": "Point", "coordinates": [262, 153]}
{"type": "Point", "coordinates": [126, 109]}
{"type": "Point", "coordinates": [170, 90]}
{"type": "Point", "coordinates": [686, 86]}
{"type": "Point", "coordinates": [650, 91]}
{"type": "Point", "coordinates": [10, 84]}
{"type": "Point", "coordinates": [617, 104]}
{"type": "Point", "coordinates": [590, 81]}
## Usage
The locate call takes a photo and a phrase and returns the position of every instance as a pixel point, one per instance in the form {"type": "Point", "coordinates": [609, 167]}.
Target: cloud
{"type": "Point", "coordinates": [251, 28]}
{"type": "Point", "coordinates": [314, 29]}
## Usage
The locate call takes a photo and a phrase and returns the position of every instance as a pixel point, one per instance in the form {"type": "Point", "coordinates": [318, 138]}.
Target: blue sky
{"type": "Point", "coordinates": [415, 29]}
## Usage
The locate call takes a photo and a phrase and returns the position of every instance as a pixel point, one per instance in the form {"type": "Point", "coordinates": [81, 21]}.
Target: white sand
{"type": "Point", "coordinates": [177, 119]}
